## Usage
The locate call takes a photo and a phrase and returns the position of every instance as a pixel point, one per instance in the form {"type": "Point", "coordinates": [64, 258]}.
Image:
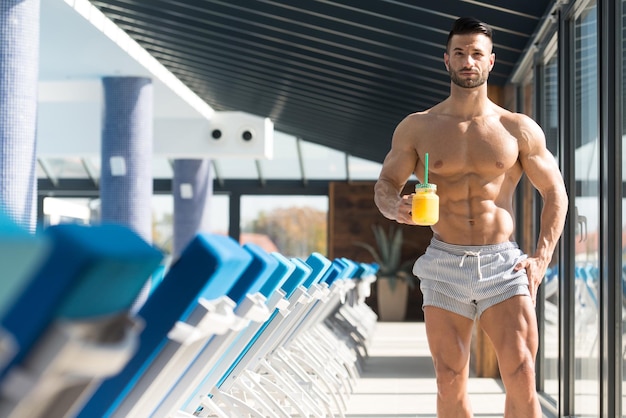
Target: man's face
{"type": "Point", "coordinates": [469, 60]}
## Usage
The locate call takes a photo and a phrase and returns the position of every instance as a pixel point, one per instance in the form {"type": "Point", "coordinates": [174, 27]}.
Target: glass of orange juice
{"type": "Point", "coordinates": [425, 204]}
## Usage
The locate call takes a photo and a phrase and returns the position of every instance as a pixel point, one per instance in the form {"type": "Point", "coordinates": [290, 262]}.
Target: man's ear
{"type": "Point", "coordinates": [492, 61]}
{"type": "Point", "coordinates": [446, 61]}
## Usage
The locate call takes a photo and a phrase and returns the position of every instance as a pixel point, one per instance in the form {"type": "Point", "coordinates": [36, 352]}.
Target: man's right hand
{"type": "Point", "coordinates": [404, 215]}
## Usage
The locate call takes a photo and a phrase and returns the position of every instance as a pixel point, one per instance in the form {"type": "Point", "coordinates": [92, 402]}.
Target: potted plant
{"type": "Point", "coordinates": [394, 277]}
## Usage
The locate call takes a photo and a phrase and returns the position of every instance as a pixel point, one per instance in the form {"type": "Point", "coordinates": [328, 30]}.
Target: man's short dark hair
{"type": "Point", "coordinates": [469, 25]}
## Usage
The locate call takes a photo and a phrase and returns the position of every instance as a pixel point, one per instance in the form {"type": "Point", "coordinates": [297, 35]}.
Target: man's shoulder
{"type": "Point", "coordinates": [414, 126]}
{"type": "Point", "coordinates": [422, 116]}
{"type": "Point", "coordinates": [521, 126]}
{"type": "Point", "coordinates": [517, 118]}
{"type": "Point", "coordinates": [516, 122]}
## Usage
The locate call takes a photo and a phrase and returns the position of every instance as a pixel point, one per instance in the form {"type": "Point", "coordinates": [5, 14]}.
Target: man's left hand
{"type": "Point", "coordinates": [535, 270]}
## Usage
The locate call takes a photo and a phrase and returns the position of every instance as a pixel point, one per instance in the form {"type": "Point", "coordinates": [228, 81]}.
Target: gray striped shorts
{"type": "Point", "coordinates": [469, 279]}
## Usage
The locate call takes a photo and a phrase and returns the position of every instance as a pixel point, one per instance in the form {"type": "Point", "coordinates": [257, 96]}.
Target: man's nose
{"type": "Point", "coordinates": [468, 61]}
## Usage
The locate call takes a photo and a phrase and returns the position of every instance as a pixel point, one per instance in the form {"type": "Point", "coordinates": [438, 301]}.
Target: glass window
{"type": "Point", "coordinates": [623, 46]}
{"type": "Point", "coordinates": [219, 214]}
{"type": "Point", "coordinates": [95, 164]}
{"type": "Point", "coordinates": [286, 163]}
{"type": "Point", "coordinates": [163, 222]}
{"type": "Point", "coordinates": [162, 207]}
{"type": "Point", "coordinates": [163, 219]}
{"type": "Point", "coordinates": [60, 168]}
{"type": "Point", "coordinates": [295, 226]}
{"type": "Point", "coordinates": [586, 277]}
{"type": "Point", "coordinates": [236, 168]}
{"type": "Point", "coordinates": [41, 174]}
{"type": "Point", "coordinates": [322, 163]}
{"type": "Point", "coordinates": [66, 210]}
{"type": "Point", "coordinates": [361, 169]}
{"type": "Point", "coordinates": [550, 305]}
{"type": "Point", "coordinates": [161, 168]}
{"type": "Point", "coordinates": [92, 168]}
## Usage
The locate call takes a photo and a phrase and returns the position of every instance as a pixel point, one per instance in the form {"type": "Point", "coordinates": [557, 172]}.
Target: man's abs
{"type": "Point", "coordinates": [489, 225]}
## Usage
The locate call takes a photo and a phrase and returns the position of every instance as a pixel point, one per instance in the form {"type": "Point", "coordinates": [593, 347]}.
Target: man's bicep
{"type": "Point", "coordinates": [543, 171]}
{"type": "Point", "coordinates": [538, 163]}
{"type": "Point", "coordinates": [401, 160]}
{"type": "Point", "coordinates": [398, 167]}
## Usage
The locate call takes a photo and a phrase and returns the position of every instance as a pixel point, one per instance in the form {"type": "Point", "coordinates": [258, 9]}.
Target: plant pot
{"type": "Point", "coordinates": [392, 303]}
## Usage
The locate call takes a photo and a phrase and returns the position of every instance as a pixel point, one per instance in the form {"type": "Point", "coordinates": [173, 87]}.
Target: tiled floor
{"type": "Point", "coordinates": [398, 379]}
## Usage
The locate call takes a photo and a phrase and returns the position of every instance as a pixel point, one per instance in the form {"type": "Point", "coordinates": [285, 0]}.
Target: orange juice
{"type": "Point", "coordinates": [425, 205]}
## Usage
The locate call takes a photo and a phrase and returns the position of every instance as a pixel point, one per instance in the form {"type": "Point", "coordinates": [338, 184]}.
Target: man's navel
{"type": "Point", "coordinates": [438, 164]}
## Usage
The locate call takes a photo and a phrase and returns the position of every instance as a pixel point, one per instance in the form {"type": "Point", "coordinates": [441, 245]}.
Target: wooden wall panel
{"type": "Point", "coordinates": [352, 213]}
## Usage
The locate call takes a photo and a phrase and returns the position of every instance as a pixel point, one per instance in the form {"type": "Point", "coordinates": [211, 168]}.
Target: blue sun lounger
{"type": "Point", "coordinates": [21, 253]}
{"type": "Point", "coordinates": [252, 350]}
{"type": "Point", "coordinates": [190, 347]}
{"type": "Point", "coordinates": [209, 268]}
{"type": "Point", "coordinates": [223, 350]}
{"type": "Point", "coordinates": [281, 374]}
{"type": "Point", "coordinates": [71, 322]}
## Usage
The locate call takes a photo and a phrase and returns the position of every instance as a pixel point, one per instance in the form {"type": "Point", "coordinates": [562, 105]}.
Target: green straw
{"type": "Point", "coordinates": [426, 170]}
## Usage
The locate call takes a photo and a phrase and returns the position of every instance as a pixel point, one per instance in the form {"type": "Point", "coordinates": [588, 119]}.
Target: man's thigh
{"type": "Point", "coordinates": [449, 338]}
{"type": "Point", "coordinates": [512, 328]}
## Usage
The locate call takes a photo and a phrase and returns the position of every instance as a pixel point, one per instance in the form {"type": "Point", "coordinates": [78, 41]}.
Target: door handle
{"type": "Point", "coordinates": [581, 221]}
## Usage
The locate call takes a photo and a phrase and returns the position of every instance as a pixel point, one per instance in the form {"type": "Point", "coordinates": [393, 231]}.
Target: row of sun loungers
{"type": "Point", "coordinates": [225, 330]}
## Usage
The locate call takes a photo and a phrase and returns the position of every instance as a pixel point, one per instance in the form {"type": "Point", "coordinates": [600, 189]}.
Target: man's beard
{"type": "Point", "coordinates": [467, 83]}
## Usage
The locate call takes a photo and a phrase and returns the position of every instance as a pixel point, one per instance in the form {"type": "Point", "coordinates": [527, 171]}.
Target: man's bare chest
{"type": "Point", "coordinates": [468, 148]}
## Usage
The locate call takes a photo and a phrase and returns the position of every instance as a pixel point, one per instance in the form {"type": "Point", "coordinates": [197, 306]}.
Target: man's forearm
{"type": "Point", "coordinates": [387, 199]}
{"type": "Point", "coordinates": [552, 221]}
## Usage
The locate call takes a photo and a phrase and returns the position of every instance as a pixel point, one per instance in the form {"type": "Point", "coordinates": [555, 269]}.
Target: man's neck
{"type": "Point", "coordinates": [469, 103]}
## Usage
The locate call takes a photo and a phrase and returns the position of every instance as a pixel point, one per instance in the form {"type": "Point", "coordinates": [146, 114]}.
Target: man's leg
{"type": "Point", "coordinates": [449, 338]}
{"type": "Point", "coordinates": [512, 327]}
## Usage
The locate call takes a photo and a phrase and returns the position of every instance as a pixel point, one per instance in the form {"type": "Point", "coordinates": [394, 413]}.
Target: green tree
{"type": "Point", "coordinates": [296, 231]}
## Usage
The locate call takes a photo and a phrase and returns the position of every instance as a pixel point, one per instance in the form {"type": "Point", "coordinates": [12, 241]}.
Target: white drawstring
{"type": "Point", "coordinates": [472, 254]}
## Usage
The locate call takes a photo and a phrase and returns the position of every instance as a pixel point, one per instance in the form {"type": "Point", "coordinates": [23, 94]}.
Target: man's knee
{"type": "Point", "coordinates": [451, 381]}
{"type": "Point", "coordinates": [520, 372]}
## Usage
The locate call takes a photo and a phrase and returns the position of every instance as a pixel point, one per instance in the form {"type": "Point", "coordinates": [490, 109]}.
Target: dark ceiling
{"type": "Point", "coordinates": [337, 73]}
